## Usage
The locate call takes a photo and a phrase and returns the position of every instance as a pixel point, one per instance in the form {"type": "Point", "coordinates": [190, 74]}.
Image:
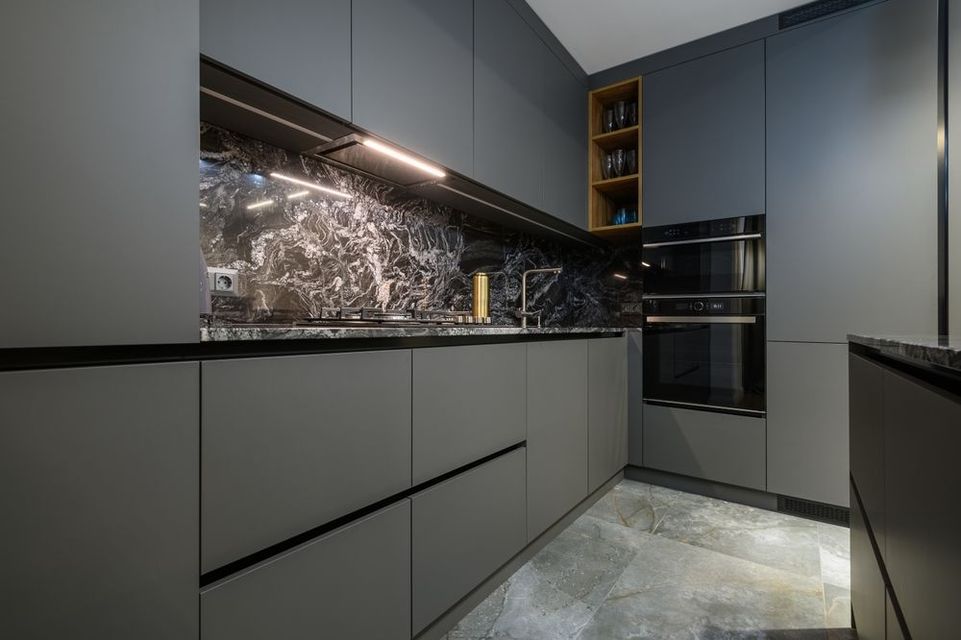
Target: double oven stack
{"type": "Point", "coordinates": [704, 325]}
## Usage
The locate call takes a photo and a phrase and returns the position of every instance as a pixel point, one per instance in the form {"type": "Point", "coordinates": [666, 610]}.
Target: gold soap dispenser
{"type": "Point", "coordinates": [480, 295]}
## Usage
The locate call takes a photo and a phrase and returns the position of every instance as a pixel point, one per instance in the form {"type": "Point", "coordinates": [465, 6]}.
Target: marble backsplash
{"type": "Point", "coordinates": [383, 247]}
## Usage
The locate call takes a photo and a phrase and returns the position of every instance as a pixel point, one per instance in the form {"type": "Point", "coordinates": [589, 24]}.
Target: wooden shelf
{"type": "Point", "coordinates": [605, 197]}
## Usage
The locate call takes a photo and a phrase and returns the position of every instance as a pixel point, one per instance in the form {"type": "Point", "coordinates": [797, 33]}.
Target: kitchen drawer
{"type": "Point", "coordinates": [469, 402]}
{"type": "Point", "coordinates": [463, 530]}
{"type": "Point", "coordinates": [290, 443]}
{"type": "Point", "coordinates": [351, 583]}
{"type": "Point", "coordinates": [713, 446]}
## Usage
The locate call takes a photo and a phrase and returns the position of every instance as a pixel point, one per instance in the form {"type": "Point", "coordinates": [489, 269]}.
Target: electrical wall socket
{"type": "Point", "coordinates": [223, 282]}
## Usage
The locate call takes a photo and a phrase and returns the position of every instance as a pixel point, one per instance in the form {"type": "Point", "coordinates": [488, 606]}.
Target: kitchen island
{"type": "Point", "coordinates": [905, 434]}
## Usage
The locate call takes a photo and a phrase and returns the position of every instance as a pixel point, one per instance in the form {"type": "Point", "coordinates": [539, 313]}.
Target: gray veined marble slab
{"type": "Point", "coordinates": [287, 332]}
{"type": "Point", "coordinates": [937, 350]}
{"type": "Point", "coordinates": [652, 563]}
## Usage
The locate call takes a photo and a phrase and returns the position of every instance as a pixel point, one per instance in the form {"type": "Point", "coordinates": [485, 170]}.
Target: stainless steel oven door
{"type": "Point", "coordinates": [709, 362]}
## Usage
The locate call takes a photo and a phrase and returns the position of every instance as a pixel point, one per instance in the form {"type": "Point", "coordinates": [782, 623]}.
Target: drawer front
{"type": "Point", "coordinates": [713, 446]}
{"type": "Point", "coordinates": [290, 443]}
{"type": "Point", "coordinates": [464, 529]}
{"type": "Point", "coordinates": [351, 583]}
{"type": "Point", "coordinates": [469, 402]}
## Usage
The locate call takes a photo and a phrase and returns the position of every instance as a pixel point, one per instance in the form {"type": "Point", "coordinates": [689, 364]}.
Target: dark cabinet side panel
{"type": "Point", "coordinates": [607, 408]}
{"type": "Point", "coordinates": [99, 490]}
{"type": "Point", "coordinates": [867, 440]}
{"type": "Point", "coordinates": [867, 583]}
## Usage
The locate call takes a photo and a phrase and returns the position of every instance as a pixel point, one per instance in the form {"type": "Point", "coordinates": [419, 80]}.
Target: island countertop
{"type": "Point", "coordinates": [923, 350]}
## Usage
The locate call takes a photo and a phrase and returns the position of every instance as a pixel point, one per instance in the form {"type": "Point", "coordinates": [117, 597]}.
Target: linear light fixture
{"type": "Point", "coordinates": [620, 276]}
{"type": "Point", "coordinates": [259, 205]}
{"type": "Point", "coordinates": [299, 194]}
{"type": "Point", "coordinates": [645, 264]}
{"type": "Point", "coordinates": [403, 157]}
{"type": "Point", "coordinates": [311, 185]}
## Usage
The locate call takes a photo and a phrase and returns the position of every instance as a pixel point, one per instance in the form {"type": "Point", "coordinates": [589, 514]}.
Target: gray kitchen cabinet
{"type": "Point", "coordinates": [463, 530]}
{"type": "Point", "coordinates": [807, 421]}
{"type": "Point", "coordinates": [852, 176]}
{"type": "Point", "coordinates": [300, 47]}
{"type": "Point", "coordinates": [703, 143]}
{"type": "Point", "coordinates": [353, 582]}
{"type": "Point", "coordinates": [556, 431]}
{"type": "Point", "coordinates": [922, 440]}
{"type": "Point", "coordinates": [867, 439]}
{"type": "Point", "coordinates": [892, 626]}
{"type": "Point", "coordinates": [867, 583]}
{"type": "Point", "coordinates": [563, 155]}
{"type": "Point", "coordinates": [468, 402]}
{"type": "Point", "coordinates": [99, 494]}
{"type": "Point", "coordinates": [290, 443]}
{"type": "Point", "coordinates": [100, 141]}
{"type": "Point", "coordinates": [508, 103]}
{"type": "Point", "coordinates": [701, 444]}
{"type": "Point", "coordinates": [635, 398]}
{"type": "Point", "coordinates": [607, 408]}
{"type": "Point", "coordinates": [954, 166]}
{"type": "Point", "coordinates": [413, 76]}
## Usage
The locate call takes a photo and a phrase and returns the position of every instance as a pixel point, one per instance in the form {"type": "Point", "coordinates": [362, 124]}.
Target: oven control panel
{"type": "Point", "coordinates": [704, 306]}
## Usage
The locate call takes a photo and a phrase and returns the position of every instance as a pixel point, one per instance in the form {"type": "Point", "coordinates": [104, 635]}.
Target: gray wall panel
{"type": "Point", "coordinates": [99, 490]}
{"type": "Point", "coordinates": [281, 435]}
{"type": "Point", "coordinates": [556, 431]}
{"type": "Point", "coordinates": [99, 128]}
{"type": "Point", "coordinates": [352, 583]}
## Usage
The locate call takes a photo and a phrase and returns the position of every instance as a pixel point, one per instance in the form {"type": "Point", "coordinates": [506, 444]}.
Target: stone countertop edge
{"type": "Point", "coordinates": [243, 333]}
{"type": "Point", "coordinates": [921, 349]}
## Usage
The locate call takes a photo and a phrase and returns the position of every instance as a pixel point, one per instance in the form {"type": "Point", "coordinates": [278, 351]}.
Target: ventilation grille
{"type": "Point", "coordinates": [814, 510]}
{"type": "Point", "coordinates": [815, 10]}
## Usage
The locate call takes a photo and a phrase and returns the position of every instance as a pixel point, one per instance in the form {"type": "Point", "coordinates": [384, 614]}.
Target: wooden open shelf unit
{"type": "Point", "coordinates": [605, 196]}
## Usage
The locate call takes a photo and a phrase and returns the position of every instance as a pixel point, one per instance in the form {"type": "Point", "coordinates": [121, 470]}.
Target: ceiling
{"type": "Point", "coordinates": [605, 33]}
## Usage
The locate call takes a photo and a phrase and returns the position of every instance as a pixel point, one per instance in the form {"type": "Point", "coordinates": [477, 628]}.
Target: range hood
{"type": "Point", "coordinates": [235, 102]}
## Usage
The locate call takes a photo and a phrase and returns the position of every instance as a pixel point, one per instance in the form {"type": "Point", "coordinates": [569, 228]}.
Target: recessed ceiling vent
{"type": "Point", "coordinates": [815, 10]}
{"type": "Point", "coordinates": [814, 510]}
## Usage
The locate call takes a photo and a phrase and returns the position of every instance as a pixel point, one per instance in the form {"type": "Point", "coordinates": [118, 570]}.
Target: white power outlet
{"type": "Point", "coordinates": [223, 282]}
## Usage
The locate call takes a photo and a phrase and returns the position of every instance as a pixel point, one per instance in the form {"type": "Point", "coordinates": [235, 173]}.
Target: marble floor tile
{"type": "Point", "coordinates": [652, 563]}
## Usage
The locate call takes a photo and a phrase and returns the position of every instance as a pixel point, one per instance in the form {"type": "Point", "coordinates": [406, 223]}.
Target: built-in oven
{"type": "Point", "coordinates": [705, 353]}
{"type": "Point", "coordinates": [712, 257]}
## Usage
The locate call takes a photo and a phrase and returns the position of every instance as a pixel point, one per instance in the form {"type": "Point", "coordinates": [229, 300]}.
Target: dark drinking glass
{"type": "Point", "coordinates": [620, 114]}
{"type": "Point", "coordinates": [619, 160]}
{"type": "Point", "coordinates": [632, 114]}
{"type": "Point", "coordinates": [608, 120]}
{"type": "Point", "coordinates": [607, 166]}
{"type": "Point", "coordinates": [630, 162]}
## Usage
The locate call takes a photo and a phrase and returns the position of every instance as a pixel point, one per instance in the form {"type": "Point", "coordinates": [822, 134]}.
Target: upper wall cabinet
{"type": "Point", "coordinates": [564, 154]}
{"type": "Point", "coordinates": [703, 143]}
{"type": "Point", "coordinates": [508, 103]}
{"type": "Point", "coordinates": [852, 176]}
{"type": "Point", "coordinates": [301, 47]}
{"type": "Point", "coordinates": [413, 76]}
{"type": "Point", "coordinates": [100, 236]}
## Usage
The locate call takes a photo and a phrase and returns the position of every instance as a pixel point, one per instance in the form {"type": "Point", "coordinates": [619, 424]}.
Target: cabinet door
{"type": "Point", "coordinates": [892, 625]}
{"type": "Point", "coordinates": [607, 408]}
{"type": "Point", "coordinates": [867, 584]}
{"type": "Point", "coordinates": [351, 583]}
{"type": "Point", "coordinates": [99, 178]}
{"type": "Point", "coordinates": [704, 138]}
{"type": "Point", "coordinates": [469, 402]}
{"type": "Point", "coordinates": [301, 47]}
{"type": "Point", "coordinates": [463, 530]}
{"type": "Point", "coordinates": [413, 76]}
{"type": "Point", "coordinates": [867, 440]}
{"type": "Point", "coordinates": [508, 103]}
{"type": "Point", "coordinates": [807, 421]}
{"type": "Point", "coordinates": [954, 167]}
{"type": "Point", "coordinates": [635, 398]}
{"type": "Point", "coordinates": [99, 493]}
{"type": "Point", "coordinates": [564, 152]}
{"type": "Point", "coordinates": [922, 439]}
{"type": "Point", "coordinates": [852, 176]}
{"type": "Point", "coordinates": [291, 443]}
{"type": "Point", "coordinates": [712, 446]}
{"type": "Point", "coordinates": [556, 431]}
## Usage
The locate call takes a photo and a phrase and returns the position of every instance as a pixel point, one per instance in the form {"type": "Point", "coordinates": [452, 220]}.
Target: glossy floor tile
{"type": "Point", "coordinates": [652, 563]}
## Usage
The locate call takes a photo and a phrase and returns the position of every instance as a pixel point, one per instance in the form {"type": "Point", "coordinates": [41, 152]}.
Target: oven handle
{"type": "Point", "coordinates": [675, 243]}
{"type": "Point", "coordinates": [701, 319]}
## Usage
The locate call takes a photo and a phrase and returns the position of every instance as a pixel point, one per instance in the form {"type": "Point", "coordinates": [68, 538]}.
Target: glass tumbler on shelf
{"type": "Point", "coordinates": [620, 159]}
{"type": "Point", "coordinates": [620, 114]}
{"type": "Point", "coordinates": [607, 166]}
{"type": "Point", "coordinates": [608, 124]}
{"type": "Point", "coordinates": [630, 162]}
{"type": "Point", "coordinates": [632, 114]}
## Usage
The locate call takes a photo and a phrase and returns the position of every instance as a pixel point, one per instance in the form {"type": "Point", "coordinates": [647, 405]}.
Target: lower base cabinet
{"type": "Point", "coordinates": [867, 584]}
{"type": "Point", "coordinates": [351, 583]}
{"type": "Point", "coordinates": [607, 408]}
{"type": "Point", "coordinates": [463, 530]}
{"type": "Point", "coordinates": [712, 446]}
{"type": "Point", "coordinates": [99, 491]}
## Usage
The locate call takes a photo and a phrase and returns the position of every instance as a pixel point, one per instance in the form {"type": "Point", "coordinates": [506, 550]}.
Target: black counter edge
{"type": "Point", "coordinates": [942, 379]}
{"type": "Point", "coordinates": [65, 357]}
